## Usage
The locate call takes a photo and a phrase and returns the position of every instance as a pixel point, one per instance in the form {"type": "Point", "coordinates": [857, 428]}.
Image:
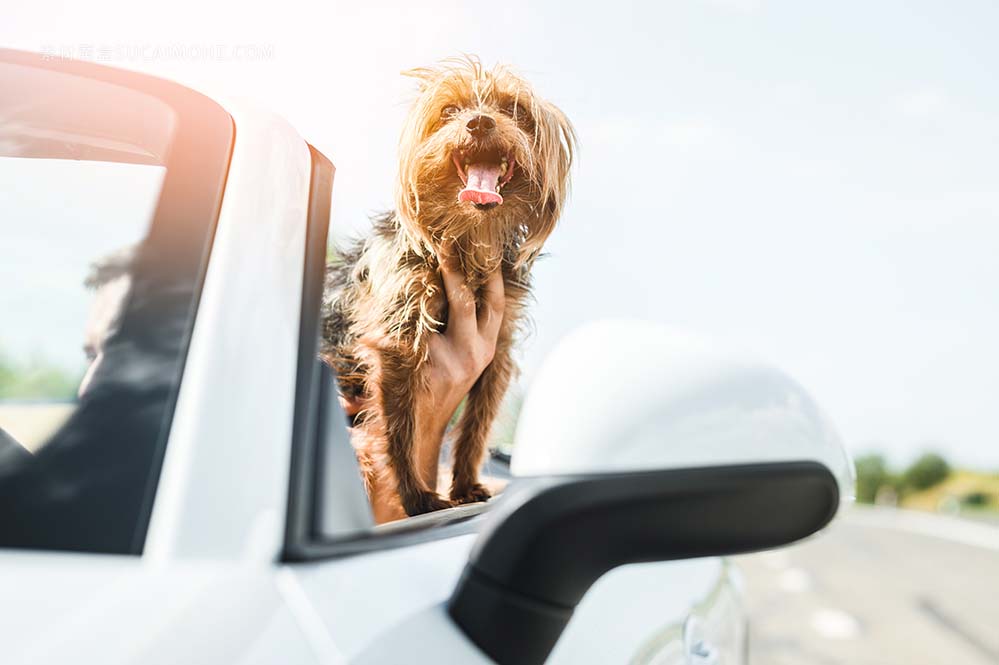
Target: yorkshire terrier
{"type": "Point", "coordinates": [483, 175]}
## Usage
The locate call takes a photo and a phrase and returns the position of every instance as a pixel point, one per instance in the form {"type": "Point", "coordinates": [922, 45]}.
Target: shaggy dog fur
{"type": "Point", "coordinates": [483, 170]}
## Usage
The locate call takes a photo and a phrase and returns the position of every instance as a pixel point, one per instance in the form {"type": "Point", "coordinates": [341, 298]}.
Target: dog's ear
{"type": "Point", "coordinates": [447, 79]}
{"type": "Point", "coordinates": [425, 77]}
{"type": "Point", "coordinates": [415, 130]}
{"type": "Point", "coordinates": [556, 145]}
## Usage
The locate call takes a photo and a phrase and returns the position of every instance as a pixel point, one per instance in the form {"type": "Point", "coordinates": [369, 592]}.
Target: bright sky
{"type": "Point", "coordinates": [815, 182]}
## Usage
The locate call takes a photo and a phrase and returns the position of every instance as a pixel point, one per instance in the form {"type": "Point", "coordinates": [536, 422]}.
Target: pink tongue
{"type": "Point", "coordinates": [481, 184]}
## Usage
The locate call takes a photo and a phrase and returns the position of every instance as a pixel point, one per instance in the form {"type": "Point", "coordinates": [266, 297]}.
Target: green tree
{"type": "Point", "coordinates": [977, 499]}
{"type": "Point", "coordinates": [872, 474]}
{"type": "Point", "coordinates": [929, 470]}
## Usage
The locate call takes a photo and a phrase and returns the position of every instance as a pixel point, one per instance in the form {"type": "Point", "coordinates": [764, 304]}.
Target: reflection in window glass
{"type": "Point", "coordinates": [70, 228]}
{"type": "Point", "coordinates": [111, 189]}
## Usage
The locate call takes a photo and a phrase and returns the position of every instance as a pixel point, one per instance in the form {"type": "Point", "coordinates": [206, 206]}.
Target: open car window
{"type": "Point", "coordinates": [329, 513]}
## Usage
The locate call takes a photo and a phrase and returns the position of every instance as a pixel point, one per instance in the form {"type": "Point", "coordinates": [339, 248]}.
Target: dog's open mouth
{"type": "Point", "coordinates": [483, 175]}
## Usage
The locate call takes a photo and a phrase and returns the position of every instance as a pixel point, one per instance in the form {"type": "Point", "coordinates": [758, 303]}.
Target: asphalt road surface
{"type": "Point", "coordinates": [881, 587]}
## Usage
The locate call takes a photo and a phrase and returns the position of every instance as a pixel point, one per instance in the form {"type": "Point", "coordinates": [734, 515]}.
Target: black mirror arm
{"type": "Point", "coordinates": [549, 540]}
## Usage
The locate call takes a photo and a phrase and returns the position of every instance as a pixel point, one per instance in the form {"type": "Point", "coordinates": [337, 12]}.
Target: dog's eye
{"type": "Point", "coordinates": [514, 110]}
{"type": "Point", "coordinates": [518, 113]}
{"type": "Point", "coordinates": [449, 111]}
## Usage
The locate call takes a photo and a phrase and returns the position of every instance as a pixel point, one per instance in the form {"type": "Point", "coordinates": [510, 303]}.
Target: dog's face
{"type": "Point", "coordinates": [483, 156]}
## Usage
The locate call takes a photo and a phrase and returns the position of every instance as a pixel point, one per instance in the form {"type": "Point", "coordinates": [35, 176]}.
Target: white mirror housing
{"type": "Point", "coordinates": [624, 395]}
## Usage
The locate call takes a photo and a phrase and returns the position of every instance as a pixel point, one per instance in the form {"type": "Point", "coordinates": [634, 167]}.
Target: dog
{"type": "Point", "coordinates": [484, 170]}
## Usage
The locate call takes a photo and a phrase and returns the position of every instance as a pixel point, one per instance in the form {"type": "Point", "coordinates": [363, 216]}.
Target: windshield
{"type": "Point", "coordinates": [103, 258]}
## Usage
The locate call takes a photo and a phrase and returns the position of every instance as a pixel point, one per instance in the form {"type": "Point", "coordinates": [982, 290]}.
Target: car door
{"type": "Point", "coordinates": [378, 594]}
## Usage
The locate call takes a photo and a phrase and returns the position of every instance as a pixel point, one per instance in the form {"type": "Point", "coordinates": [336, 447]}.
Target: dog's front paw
{"type": "Point", "coordinates": [470, 494]}
{"type": "Point", "coordinates": [424, 502]}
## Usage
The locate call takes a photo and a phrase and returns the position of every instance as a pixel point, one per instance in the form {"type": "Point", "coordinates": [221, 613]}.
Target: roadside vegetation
{"type": "Point", "coordinates": [35, 379]}
{"type": "Point", "coordinates": [928, 483]}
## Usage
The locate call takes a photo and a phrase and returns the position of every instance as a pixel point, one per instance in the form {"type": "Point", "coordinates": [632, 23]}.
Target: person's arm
{"type": "Point", "coordinates": [457, 358]}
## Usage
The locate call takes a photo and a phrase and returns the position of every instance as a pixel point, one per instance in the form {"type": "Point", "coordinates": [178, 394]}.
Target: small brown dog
{"type": "Point", "coordinates": [484, 172]}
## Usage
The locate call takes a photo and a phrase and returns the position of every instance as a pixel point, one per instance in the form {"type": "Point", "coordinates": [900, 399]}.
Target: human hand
{"type": "Point", "coordinates": [457, 357]}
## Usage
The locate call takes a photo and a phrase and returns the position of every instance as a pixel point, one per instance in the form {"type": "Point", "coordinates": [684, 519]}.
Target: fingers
{"type": "Point", "coordinates": [472, 334]}
{"type": "Point", "coordinates": [493, 306]}
{"type": "Point", "coordinates": [461, 321]}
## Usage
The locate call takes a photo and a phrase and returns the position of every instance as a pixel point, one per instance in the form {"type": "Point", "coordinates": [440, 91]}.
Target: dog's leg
{"type": "Point", "coordinates": [397, 389]}
{"type": "Point", "coordinates": [483, 404]}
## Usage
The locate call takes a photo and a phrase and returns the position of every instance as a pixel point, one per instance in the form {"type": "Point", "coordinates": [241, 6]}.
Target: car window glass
{"type": "Point", "coordinates": [112, 182]}
{"type": "Point", "coordinates": [71, 227]}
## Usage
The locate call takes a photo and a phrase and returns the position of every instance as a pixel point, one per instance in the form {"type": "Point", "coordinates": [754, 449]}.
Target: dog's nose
{"type": "Point", "coordinates": [480, 125]}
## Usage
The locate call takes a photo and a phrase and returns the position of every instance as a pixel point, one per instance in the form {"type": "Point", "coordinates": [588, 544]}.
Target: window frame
{"type": "Point", "coordinates": [320, 424]}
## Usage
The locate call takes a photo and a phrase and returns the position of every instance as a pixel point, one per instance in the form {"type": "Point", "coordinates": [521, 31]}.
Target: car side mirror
{"type": "Point", "coordinates": [665, 449]}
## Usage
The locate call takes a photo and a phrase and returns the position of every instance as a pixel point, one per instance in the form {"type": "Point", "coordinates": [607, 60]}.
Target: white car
{"type": "Point", "coordinates": [194, 497]}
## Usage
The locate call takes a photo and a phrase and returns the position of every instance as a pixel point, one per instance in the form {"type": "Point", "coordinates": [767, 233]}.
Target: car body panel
{"type": "Point", "coordinates": [390, 607]}
{"type": "Point", "coordinates": [60, 608]}
{"type": "Point", "coordinates": [647, 600]}
{"type": "Point", "coordinates": [364, 600]}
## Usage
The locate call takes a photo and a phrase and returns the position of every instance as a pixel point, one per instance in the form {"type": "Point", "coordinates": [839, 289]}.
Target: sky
{"type": "Point", "coordinates": [813, 182]}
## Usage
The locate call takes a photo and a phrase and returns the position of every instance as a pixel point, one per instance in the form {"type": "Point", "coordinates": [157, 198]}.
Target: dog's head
{"type": "Point", "coordinates": [483, 159]}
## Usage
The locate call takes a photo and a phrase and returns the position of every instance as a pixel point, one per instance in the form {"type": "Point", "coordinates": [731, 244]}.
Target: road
{"type": "Point", "coordinates": [879, 588]}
